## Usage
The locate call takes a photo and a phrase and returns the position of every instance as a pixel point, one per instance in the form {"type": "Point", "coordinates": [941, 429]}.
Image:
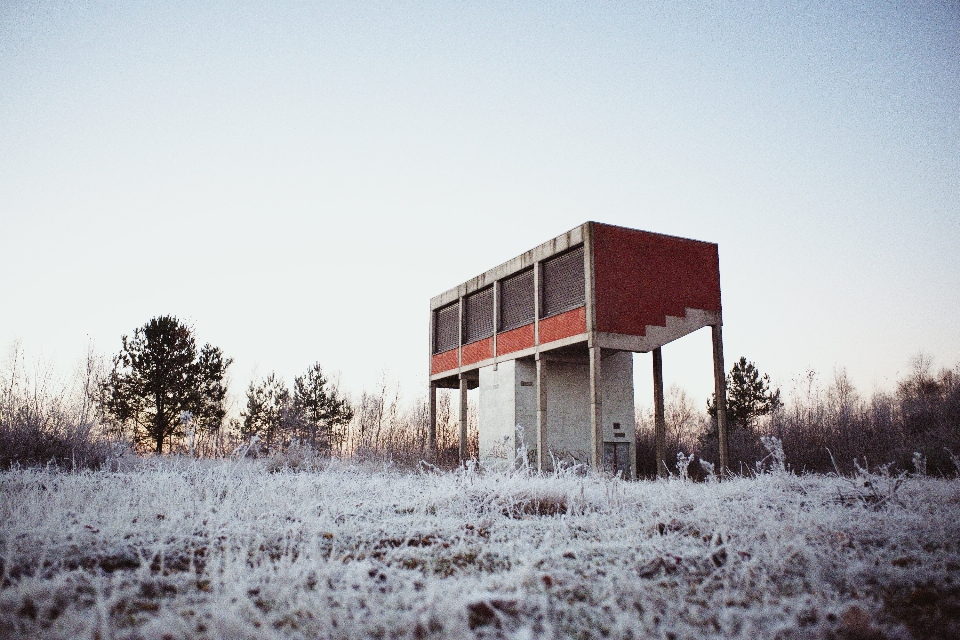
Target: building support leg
{"type": "Point", "coordinates": [463, 419]}
{"type": "Point", "coordinates": [660, 424]}
{"type": "Point", "coordinates": [432, 425]}
{"type": "Point", "coordinates": [541, 416]}
{"type": "Point", "coordinates": [720, 389]}
{"type": "Point", "coordinates": [596, 411]}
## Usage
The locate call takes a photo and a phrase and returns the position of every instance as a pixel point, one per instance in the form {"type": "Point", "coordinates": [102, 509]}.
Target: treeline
{"type": "Point", "coordinates": [823, 428]}
{"type": "Point", "coordinates": [163, 394]}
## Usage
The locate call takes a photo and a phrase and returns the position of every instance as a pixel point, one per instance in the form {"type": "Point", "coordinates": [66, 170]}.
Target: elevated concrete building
{"type": "Point", "coordinates": [548, 338]}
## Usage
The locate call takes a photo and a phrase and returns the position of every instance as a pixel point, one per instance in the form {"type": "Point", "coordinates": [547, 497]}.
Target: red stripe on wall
{"type": "Point", "coordinates": [640, 278]}
{"type": "Point", "coordinates": [563, 325]}
{"type": "Point", "coordinates": [477, 351]}
{"type": "Point", "coordinates": [443, 361]}
{"type": "Point", "coordinates": [515, 339]}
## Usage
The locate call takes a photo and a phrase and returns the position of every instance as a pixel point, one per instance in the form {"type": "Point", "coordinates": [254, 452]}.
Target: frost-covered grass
{"type": "Point", "coordinates": [221, 550]}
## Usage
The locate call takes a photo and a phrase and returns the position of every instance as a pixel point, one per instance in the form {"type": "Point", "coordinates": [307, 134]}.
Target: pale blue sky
{"type": "Point", "coordinates": [297, 179]}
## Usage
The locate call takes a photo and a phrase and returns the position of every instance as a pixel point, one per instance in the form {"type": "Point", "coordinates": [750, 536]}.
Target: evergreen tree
{"type": "Point", "coordinates": [319, 409]}
{"type": "Point", "coordinates": [267, 414]}
{"type": "Point", "coordinates": [748, 396]}
{"type": "Point", "coordinates": [158, 376]}
{"type": "Point", "coordinates": [211, 408]}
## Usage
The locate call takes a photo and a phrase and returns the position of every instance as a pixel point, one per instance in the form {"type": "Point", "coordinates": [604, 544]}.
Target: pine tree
{"type": "Point", "coordinates": [748, 396]}
{"type": "Point", "coordinates": [158, 376]}
{"type": "Point", "coordinates": [211, 408]}
{"type": "Point", "coordinates": [319, 409]}
{"type": "Point", "coordinates": [267, 414]}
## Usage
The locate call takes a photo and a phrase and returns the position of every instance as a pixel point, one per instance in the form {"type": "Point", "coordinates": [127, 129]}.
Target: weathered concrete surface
{"type": "Point", "coordinates": [505, 402]}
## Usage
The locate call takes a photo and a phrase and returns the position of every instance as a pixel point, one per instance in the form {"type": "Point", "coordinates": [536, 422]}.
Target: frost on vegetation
{"type": "Point", "coordinates": [692, 467]}
{"type": "Point", "coordinates": [919, 463]}
{"type": "Point", "coordinates": [953, 458]}
{"type": "Point", "coordinates": [230, 549]}
{"type": "Point", "coordinates": [776, 459]}
{"type": "Point", "coordinates": [872, 489]}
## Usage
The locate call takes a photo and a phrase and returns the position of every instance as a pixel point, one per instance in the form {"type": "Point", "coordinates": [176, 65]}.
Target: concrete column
{"type": "Point", "coordinates": [660, 424]}
{"type": "Point", "coordinates": [541, 415]}
{"type": "Point", "coordinates": [463, 419]}
{"type": "Point", "coordinates": [596, 411]}
{"type": "Point", "coordinates": [589, 290]}
{"type": "Point", "coordinates": [432, 426]}
{"type": "Point", "coordinates": [460, 332]}
{"type": "Point", "coordinates": [431, 453]}
{"type": "Point", "coordinates": [536, 305]}
{"type": "Point", "coordinates": [720, 388]}
{"type": "Point", "coordinates": [496, 319]}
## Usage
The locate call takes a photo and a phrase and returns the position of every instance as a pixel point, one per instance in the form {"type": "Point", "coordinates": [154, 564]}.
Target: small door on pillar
{"type": "Point", "coordinates": [616, 457]}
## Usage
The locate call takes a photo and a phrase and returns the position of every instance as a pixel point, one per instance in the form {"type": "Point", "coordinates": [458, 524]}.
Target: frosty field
{"type": "Point", "coordinates": [230, 550]}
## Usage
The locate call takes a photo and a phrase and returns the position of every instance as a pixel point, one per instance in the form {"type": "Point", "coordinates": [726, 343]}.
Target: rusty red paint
{"type": "Point", "coordinates": [515, 339]}
{"type": "Point", "coordinates": [443, 361]}
{"type": "Point", "coordinates": [477, 351]}
{"type": "Point", "coordinates": [563, 325]}
{"type": "Point", "coordinates": [641, 277]}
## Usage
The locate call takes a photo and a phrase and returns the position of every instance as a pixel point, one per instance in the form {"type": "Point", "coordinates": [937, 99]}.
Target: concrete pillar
{"type": "Point", "coordinates": [463, 418]}
{"type": "Point", "coordinates": [432, 426]}
{"type": "Point", "coordinates": [541, 415]}
{"type": "Point", "coordinates": [596, 411]}
{"type": "Point", "coordinates": [496, 320]}
{"type": "Point", "coordinates": [660, 424]}
{"type": "Point", "coordinates": [720, 388]}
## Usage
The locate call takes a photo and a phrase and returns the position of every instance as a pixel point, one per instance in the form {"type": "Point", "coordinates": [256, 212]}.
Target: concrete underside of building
{"type": "Point", "coordinates": [507, 409]}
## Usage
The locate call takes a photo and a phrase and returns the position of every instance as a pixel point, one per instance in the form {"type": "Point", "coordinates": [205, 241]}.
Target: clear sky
{"type": "Point", "coordinates": [298, 179]}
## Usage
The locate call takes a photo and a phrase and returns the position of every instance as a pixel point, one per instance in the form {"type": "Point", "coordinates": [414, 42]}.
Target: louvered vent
{"type": "Point", "coordinates": [563, 287]}
{"type": "Point", "coordinates": [478, 316]}
{"type": "Point", "coordinates": [516, 300]}
{"type": "Point", "coordinates": [445, 328]}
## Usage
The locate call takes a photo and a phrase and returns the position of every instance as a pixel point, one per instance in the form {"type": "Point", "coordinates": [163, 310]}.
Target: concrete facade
{"type": "Point", "coordinates": [507, 408]}
{"type": "Point", "coordinates": [548, 338]}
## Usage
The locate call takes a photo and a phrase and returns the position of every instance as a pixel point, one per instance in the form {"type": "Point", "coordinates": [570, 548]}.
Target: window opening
{"type": "Point", "coordinates": [517, 300]}
{"type": "Point", "coordinates": [563, 283]}
{"type": "Point", "coordinates": [478, 316]}
{"type": "Point", "coordinates": [446, 328]}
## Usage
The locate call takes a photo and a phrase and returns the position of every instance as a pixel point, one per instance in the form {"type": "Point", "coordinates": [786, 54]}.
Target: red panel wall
{"type": "Point", "coordinates": [443, 361]}
{"type": "Point", "coordinates": [477, 351]}
{"type": "Point", "coordinates": [563, 325]}
{"type": "Point", "coordinates": [641, 277]}
{"type": "Point", "coordinates": [515, 339]}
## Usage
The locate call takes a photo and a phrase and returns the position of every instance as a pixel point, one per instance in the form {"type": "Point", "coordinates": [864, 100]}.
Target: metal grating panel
{"type": "Point", "coordinates": [563, 285]}
{"type": "Point", "coordinates": [446, 328]}
{"type": "Point", "coordinates": [616, 457]}
{"type": "Point", "coordinates": [478, 316]}
{"type": "Point", "coordinates": [516, 300]}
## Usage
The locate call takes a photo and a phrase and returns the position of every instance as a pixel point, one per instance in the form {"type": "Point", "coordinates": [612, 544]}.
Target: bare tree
{"type": "Point", "coordinates": [684, 421]}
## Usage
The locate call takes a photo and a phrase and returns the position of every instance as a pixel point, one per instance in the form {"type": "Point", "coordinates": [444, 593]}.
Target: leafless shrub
{"type": "Point", "coordinates": [46, 421]}
{"type": "Point", "coordinates": [685, 423]}
{"type": "Point", "coordinates": [873, 489]}
{"type": "Point", "coordinates": [387, 429]}
{"type": "Point", "coordinates": [536, 506]}
{"type": "Point", "coordinates": [297, 456]}
{"type": "Point", "coordinates": [919, 424]}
